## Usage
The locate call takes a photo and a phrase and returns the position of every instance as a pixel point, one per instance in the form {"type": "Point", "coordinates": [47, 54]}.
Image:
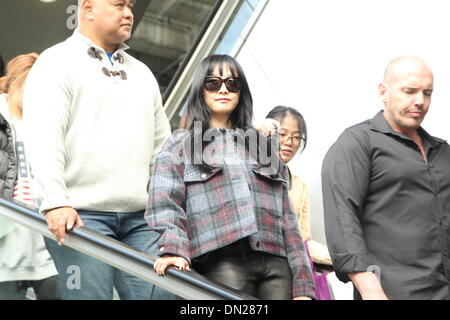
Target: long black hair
{"type": "Point", "coordinates": [240, 118]}
{"type": "Point", "coordinates": [198, 110]}
{"type": "Point", "coordinates": [278, 113]}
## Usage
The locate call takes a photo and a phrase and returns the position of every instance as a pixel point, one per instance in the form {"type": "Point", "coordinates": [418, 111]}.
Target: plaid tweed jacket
{"type": "Point", "coordinates": [198, 209]}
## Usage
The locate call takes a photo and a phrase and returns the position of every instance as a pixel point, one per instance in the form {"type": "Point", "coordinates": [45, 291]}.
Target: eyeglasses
{"type": "Point", "coordinates": [294, 139]}
{"type": "Point", "coordinates": [213, 84]}
{"type": "Point", "coordinates": [93, 53]}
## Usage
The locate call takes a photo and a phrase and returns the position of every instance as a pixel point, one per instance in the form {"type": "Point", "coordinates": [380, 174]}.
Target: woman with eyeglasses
{"type": "Point", "coordinates": [293, 135]}
{"type": "Point", "coordinates": [220, 202]}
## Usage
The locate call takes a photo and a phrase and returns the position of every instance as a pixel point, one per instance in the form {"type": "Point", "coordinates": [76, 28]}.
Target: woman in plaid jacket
{"type": "Point", "coordinates": [219, 198]}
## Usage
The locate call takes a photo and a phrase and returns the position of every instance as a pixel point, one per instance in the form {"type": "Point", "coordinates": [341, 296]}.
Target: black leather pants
{"type": "Point", "coordinates": [262, 275]}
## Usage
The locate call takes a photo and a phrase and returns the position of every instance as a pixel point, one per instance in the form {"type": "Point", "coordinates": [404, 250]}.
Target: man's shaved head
{"type": "Point", "coordinates": [403, 65]}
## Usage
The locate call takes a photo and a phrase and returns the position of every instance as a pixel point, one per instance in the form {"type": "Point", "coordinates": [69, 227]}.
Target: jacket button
{"type": "Point", "coordinates": [258, 244]}
{"type": "Point", "coordinates": [161, 249]}
{"type": "Point", "coordinates": [203, 175]}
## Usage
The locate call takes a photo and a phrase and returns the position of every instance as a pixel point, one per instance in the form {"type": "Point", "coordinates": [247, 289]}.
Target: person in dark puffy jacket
{"type": "Point", "coordinates": [24, 260]}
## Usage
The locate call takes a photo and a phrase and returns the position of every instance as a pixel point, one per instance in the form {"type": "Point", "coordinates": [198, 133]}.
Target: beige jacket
{"type": "Point", "coordinates": [299, 194]}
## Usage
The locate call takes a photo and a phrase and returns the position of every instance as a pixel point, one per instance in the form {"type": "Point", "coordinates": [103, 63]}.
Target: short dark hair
{"type": "Point", "coordinates": [279, 112]}
{"type": "Point", "coordinates": [198, 110]}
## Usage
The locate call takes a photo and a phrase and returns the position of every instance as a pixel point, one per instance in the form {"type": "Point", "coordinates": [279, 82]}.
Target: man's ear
{"type": "Point", "coordinates": [383, 92]}
{"type": "Point", "coordinates": [87, 8]}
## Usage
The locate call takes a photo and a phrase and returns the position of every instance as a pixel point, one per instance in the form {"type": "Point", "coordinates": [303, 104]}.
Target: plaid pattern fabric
{"type": "Point", "coordinates": [197, 210]}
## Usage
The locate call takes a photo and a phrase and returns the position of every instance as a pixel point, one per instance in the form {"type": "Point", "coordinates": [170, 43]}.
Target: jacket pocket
{"type": "Point", "coordinates": [201, 189]}
{"type": "Point", "coordinates": [214, 191]}
{"type": "Point", "coordinates": [269, 173]}
{"type": "Point", "coordinates": [268, 190]}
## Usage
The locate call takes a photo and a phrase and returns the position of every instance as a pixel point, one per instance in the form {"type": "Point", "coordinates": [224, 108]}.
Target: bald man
{"type": "Point", "coordinates": [386, 195]}
{"type": "Point", "coordinates": [94, 121]}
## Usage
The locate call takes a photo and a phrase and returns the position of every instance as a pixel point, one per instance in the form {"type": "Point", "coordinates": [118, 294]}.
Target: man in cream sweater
{"type": "Point", "coordinates": [93, 122]}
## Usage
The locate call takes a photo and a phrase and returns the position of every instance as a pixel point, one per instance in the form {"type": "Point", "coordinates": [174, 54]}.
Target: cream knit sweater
{"type": "Point", "coordinates": [91, 138]}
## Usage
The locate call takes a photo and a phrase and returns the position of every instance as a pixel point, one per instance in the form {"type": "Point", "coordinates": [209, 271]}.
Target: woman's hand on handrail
{"type": "Point", "coordinates": [162, 263]}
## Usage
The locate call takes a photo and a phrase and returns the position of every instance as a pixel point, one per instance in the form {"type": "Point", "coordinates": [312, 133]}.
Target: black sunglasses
{"type": "Point", "coordinates": [213, 84]}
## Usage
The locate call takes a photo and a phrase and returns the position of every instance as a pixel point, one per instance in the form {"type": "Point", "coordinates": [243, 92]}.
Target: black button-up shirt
{"type": "Point", "coordinates": [385, 206]}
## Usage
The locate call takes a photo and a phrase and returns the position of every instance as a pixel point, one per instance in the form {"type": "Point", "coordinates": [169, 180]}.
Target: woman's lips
{"type": "Point", "coordinates": [223, 100]}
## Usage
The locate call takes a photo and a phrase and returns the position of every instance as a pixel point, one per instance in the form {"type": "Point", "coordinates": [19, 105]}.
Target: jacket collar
{"type": "Point", "coordinates": [380, 124]}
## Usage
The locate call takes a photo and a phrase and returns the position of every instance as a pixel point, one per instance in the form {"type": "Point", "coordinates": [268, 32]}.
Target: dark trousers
{"type": "Point", "coordinates": [259, 274]}
{"type": "Point", "coordinates": [45, 289]}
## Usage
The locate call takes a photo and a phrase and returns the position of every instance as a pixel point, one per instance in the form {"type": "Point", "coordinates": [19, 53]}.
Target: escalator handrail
{"type": "Point", "coordinates": [189, 285]}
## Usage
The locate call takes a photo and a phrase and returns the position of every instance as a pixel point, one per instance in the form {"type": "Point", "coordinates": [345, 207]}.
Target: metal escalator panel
{"type": "Point", "coordinates": [166, 33]}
